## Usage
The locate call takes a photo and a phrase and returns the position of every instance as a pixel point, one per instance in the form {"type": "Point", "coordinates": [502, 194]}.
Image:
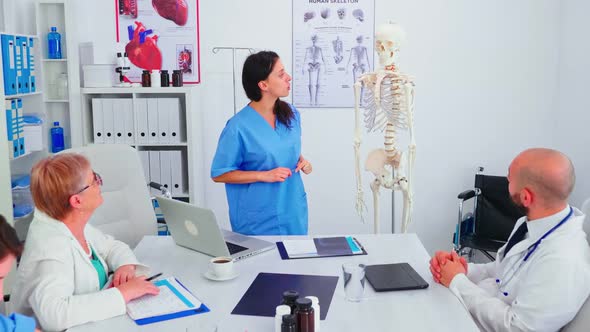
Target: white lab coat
{"type": "Point", "coordinates": [545, 292]}
{"type": "Point", "coordinates": [56, 281]}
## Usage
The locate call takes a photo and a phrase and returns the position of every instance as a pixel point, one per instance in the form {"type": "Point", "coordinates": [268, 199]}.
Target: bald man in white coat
{"type": "Point", "coordinates": [541, 277]}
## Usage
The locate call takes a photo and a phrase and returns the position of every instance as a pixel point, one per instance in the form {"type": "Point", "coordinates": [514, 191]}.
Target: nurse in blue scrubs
{"type": "Point", "coordinates": [259, 155]}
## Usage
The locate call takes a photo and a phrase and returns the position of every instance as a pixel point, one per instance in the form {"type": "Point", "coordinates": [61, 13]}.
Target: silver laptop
{"type": "Point", "coordinates": [196, 228]}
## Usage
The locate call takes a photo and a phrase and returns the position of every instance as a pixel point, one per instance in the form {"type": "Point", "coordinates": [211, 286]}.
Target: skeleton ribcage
{"type": "Point", "coordinates": [390, 108]}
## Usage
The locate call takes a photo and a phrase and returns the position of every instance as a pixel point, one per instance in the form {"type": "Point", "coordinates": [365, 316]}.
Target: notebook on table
{"type": "Point", "coordinates": [173, 301]}
{"type": "Point", "coordinates": [392, 277]}
{"type": "Point", "coordinates": [320, 247]}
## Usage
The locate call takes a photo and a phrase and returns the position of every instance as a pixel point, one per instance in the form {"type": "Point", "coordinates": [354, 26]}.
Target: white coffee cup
{"type": "Point", "coordinates": [221, 267]}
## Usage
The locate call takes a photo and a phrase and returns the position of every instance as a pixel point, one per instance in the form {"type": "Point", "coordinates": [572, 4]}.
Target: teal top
{"type": "Point", "coordinates": [102, 274]}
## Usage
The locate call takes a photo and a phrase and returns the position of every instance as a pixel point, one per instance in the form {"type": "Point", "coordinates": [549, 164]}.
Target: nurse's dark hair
{"type": "Point", "coordinates": [257, 67]}
{"type": "Point", "coordinates": [9, 242]}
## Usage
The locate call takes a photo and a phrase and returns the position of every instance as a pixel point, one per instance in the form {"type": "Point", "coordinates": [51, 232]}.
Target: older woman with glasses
{"type": "Point", "coordinates": [63, 273]}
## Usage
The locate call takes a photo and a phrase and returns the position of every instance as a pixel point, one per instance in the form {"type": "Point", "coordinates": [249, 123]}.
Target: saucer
{"type": "Point", "coordinates": [210, 276]}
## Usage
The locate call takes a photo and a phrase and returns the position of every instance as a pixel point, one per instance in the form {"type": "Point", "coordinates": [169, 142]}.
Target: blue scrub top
{"type": "Point", "coordinates": [17, 323]}
{"type": "Point", "coordinates": [248, 143]}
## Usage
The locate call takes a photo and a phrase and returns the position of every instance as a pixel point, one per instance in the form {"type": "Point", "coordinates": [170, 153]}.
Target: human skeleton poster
{"type": "Point", "coordinates": [333, 46]}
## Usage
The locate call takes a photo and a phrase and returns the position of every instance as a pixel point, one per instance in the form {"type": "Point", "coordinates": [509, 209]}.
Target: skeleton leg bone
{"type": "Point", "coordinates": [360, 201]}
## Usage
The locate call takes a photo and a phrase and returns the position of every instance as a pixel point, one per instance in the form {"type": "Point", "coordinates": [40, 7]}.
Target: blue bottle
{"type": "Point", "coordinates": [54, 44]}
{"type": "Point", "coordinates": [57, 137]}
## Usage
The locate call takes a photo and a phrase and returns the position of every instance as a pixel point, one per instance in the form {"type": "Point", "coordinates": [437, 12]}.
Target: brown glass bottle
{"type": "Point", "coordinates": [177, 79]}
{"type": "Point", "coordinates": [146, 79]}
{"type": "Point", "coordinates": [304, 313]}
{"type": "Point", "coordinates": [164, 78]}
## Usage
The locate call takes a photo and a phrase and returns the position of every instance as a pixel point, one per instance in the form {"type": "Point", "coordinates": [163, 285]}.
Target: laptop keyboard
{"type": "Point", "coordinates": [234, 248]}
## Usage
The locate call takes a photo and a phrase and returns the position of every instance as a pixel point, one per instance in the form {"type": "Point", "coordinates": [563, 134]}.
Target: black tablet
{"type": "Point", "coordinates": [391, 277]}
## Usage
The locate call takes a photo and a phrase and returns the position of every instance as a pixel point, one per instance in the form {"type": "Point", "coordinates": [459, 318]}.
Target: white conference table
{"type": "Point", "coordinates": [431, 309]}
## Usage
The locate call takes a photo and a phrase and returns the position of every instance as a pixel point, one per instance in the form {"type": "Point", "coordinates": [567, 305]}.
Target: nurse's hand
{"type": "Point", "coordinates": [303, 165]}
{"type": "Point", "coordinates": [278, 174]}
{"type": "Point", "coordinates": [123, 274]}
{"type": "Point", "coordinates": [137, 287]}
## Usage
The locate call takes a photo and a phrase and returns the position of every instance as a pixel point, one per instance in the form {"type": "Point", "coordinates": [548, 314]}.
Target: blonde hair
{"type": "Point", "coordinates": [54, 180]}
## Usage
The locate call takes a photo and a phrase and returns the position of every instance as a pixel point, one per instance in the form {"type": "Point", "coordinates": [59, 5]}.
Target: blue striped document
{"type": "Point", "coordinates": [173, 301]}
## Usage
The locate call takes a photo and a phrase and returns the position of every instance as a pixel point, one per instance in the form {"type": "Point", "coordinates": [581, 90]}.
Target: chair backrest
{"type": "Point", "coordinates": [495, 214]}
{"type": "Point", "coordinates": [127, 212]}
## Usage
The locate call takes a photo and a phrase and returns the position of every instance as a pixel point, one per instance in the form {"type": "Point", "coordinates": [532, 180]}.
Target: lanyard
{"type": "Point", "coordinates": [531, 249]}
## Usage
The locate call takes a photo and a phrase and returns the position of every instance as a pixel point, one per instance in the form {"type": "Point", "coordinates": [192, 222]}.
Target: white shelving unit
{"type": "Point", "coordinates": [55, 13]}
{"type": "Point", "coordinates": [32, 103]}
{"type": "Point", "coordinates": [190, 144]}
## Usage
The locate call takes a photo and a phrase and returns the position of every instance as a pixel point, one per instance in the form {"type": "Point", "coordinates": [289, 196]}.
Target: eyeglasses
{"type": "Point", "coordinates": [97, 180]}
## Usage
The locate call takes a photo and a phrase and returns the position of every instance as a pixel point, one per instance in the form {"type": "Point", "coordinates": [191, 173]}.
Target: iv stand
{"type": "Point", "coordinates": [233, 58]}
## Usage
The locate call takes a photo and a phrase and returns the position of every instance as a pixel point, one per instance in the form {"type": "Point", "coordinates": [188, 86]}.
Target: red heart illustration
{"type": "Point", "coordinates": [173, 10]}
{"type": "Point", "coordinates": [143, 50]}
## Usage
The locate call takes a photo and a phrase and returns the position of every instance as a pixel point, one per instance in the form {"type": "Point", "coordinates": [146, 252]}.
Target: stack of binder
{"type": "Point", "coordinates": [140, 121]}
{"type": "Point", "coordinates": [165, 167]}
{"type": "Point", "coordinates": [14, 127]}
{"type": "Point", "coordinates": [18, 64]}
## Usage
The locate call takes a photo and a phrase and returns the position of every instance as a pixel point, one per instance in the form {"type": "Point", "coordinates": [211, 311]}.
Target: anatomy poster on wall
{"type": "Point", "coordinates": [160, 34]}
{"type": "Point", "coordinates": [332, 47]}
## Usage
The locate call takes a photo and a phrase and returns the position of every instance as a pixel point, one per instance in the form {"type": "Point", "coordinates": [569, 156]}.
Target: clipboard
{"type": "Point", "coordinates": [326, 247]}
{"type": "Point", "coordinates": [177, 314]}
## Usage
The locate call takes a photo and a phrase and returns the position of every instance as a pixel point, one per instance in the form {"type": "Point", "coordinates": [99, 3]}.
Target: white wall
{"type": "Point", "coordinates": [572, 125]}
{"type": "Point", "coordinates": [486, 77]}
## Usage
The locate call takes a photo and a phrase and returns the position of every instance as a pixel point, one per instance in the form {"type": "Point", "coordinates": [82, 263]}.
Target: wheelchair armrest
{"type": "Point", "coordinates": [467, 194]}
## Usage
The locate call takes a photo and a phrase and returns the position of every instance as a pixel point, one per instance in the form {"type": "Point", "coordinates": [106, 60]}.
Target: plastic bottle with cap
{"type": "Point", "coordinates": [279, 313]}
{"type": "Point", "coordinates": [54, 44]}
{"type": "Point", "coordinates": [155, 77]}
{"type": "Point", "coordinates": [305, 315]}
{"type": "Point", "coordinates": [57, 138]}
{"type": "Point", "coordinates": [315, 304]}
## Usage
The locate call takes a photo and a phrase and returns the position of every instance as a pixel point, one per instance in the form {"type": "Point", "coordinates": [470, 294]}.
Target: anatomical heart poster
{"type": "Point", "coordinates": [160, 34]}
{"type": "Point", "coordinates": [333, 43]}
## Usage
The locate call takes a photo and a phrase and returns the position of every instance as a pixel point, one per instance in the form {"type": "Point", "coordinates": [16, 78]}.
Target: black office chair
{"type": "Point", "coordinates": [494, 214]}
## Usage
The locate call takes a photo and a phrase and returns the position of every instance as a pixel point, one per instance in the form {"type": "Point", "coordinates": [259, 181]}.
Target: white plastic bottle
{"type": "Point", "coordinates": [315, 304]}
{"type": "Point", "coordinates": [280, 311]}
{"type": "Point", "coordinates": [155, 78]}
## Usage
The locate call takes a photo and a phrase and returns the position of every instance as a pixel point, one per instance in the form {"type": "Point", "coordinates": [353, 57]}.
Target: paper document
{"type": "Point", "coordinates": [173, 298]}
{"type": "Point", "coordinates": [297, 248]}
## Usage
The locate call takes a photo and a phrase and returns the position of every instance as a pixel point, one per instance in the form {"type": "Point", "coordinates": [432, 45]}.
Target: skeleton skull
{"type": "Point", "coordinates": [358, 14]}
{"type": "Point", "coordinates": [388, 39]}
{"type": "Point", "coordinates": [341, 13]}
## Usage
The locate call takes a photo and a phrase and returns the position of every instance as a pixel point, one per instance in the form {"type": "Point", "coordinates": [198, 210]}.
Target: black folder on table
{"type": "Point", "coordinates": [266, 292]}
{"type": "Point", "coordinates": [327, 247]}
{"type": "Point", "coordinates": [391, 277]}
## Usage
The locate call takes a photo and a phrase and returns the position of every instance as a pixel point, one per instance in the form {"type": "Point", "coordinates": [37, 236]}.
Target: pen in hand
{"type": "Point", "coordinates": [153, 277]}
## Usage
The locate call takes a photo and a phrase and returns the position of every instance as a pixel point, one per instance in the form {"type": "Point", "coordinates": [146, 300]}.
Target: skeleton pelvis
{"type": "Point", "coordinates": [381, 166]}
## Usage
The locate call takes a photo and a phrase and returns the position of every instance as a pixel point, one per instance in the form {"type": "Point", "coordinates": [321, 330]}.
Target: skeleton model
{"type": "Point", "coordinates": [388, 106]}
{"type": "Point", "coordinates": [314, 60]}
